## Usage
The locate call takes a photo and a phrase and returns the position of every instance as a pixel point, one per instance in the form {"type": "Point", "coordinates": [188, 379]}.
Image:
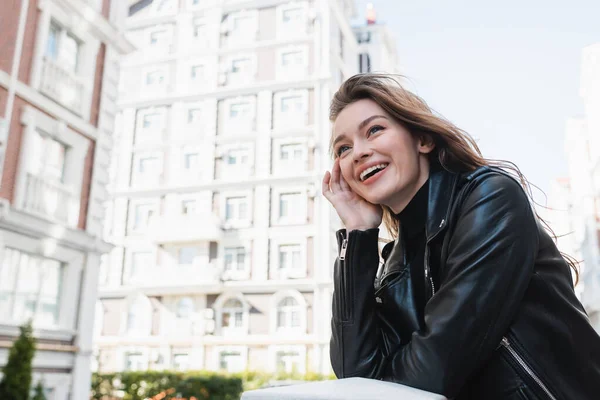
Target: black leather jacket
{"type": "Point", "coordinates": [500, 319]}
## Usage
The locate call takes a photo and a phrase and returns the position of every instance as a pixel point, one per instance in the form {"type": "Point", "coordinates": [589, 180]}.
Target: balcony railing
{"type": "Point", "coordinates": [51, 199]}
{"type": "Point", "coordinates": [342, 389]}
{"type": "Point", "coordinates": [179, 228]}
{"type": "Point", "coordinates": [63, 86]}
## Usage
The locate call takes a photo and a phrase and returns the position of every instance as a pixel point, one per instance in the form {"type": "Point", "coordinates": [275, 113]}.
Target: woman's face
{"type": "Point", "coordinates": [379, 159]}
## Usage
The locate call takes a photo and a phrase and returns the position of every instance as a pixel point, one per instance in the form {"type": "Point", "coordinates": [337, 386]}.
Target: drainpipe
{"type": "Point", "coordinates": [14, 75]}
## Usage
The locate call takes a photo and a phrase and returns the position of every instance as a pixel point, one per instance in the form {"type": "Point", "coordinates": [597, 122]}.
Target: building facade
{"type": "Point", "coordinates": [58, 85]}
{"type": "Point", "coordinates": [223, 246]}
{"type": "Point", "coordinates": [580, 203]}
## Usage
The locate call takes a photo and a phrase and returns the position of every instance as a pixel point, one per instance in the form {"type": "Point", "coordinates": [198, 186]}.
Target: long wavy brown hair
{"type": "Point", "coordinates": [455, 150]}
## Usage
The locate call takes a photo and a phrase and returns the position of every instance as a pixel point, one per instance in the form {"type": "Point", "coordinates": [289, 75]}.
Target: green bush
{"type": "Point", "coordinates": [202, 385]}
{"type": "Point", "coordinates": [16, 383]}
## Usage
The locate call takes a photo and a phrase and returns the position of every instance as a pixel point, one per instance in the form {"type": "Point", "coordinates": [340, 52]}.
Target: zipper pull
{"type": "Point", "coordinates": [343, 250]}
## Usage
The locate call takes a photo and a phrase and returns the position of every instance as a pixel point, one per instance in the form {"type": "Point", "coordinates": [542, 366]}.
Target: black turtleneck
{"type": "Point", "coordinates": [412, 222]}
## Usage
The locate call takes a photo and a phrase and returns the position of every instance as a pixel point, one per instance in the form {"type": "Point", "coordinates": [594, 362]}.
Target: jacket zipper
{"type": "Point", "coordinates": [344, 311]}
{"type": "Point", "coordinates": [427, 275]}
{"type": "Point", "coordinates": [506, 344]}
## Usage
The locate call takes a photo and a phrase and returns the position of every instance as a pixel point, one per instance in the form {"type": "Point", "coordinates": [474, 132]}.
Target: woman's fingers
{"type": "Point", "coordinates": [336, 173]}
{"type": "Point", "coordinates": [325, 185]}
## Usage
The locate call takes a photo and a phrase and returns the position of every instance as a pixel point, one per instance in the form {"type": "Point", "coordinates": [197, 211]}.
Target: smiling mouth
{"type": "Point", "coordinates": [371, 171]}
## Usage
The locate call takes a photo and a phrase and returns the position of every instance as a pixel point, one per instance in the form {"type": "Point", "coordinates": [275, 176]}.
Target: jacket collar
{"type": "Point", "coordinates": [442, 185]}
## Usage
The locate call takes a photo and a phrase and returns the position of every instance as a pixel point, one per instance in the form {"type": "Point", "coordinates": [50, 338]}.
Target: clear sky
{"type": "Point", "coordinates": [506, 72]}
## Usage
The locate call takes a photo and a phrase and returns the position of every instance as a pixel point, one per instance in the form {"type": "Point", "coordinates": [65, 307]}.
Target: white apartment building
{"type": "Point", "coordinates": [223, 246]}
{"type": "Point", "coordinates": [58, 85]}
{"type": "Point", "coordinates": [582, 146]}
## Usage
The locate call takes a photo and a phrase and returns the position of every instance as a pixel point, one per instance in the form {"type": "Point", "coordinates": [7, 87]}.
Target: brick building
{"type": "Point", "coordinates": [58, 84]}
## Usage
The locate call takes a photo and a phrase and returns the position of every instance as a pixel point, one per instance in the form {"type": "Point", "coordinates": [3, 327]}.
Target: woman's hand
{"type": "Point", "coordinates": [354, 211]}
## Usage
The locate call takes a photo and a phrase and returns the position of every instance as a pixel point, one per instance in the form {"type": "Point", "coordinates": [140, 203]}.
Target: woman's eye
{"type": "Point", "coordinates": [341, 150]}
{"type": "Point", "coordinates": [374, 129]}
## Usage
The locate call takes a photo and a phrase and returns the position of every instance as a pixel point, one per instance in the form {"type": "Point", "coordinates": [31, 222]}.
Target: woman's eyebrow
{"type": "Point", "coordinates": [371, 118]}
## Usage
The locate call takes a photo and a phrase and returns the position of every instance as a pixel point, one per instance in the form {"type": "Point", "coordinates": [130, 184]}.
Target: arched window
{"type": "Point", "coordinates": [185, 307]}
{"type": "Point", "coordinates": [288, 313]}
{"type": "Point", "coordinates": [232, 316]}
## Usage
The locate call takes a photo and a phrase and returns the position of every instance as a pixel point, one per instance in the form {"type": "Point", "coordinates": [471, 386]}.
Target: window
{"type": "Point", "coordinates": [188, 207]}
{"type": "Point", "coordinates": [30, 288]}
{"type": "Point", "coordinates": [185, 307]}
{"type": "Point", "coordinates": [232, 314]}
{"type": "Point", "coordinates": [242, 24]}
{"type": "Point", "coordinates": [288, 361]}
{"type": "Point", "coordinates": [239, 111]}
{"type": "Point", "coordinates": [197, 72]}
{"type": "Point", "coordinates": [52, 156]}
{"type": "Point", "coordinates": [142, 215]}
{"type": "Point", "coordinates": [237, 157]}
{"type": "Point", "coordinates": [290, 203]}
{"type": "Point", "coordinates": [134, 362]}
{"type": "Point", "coordinates": [235, 259]}
{"type": "Point", "coordinates": [139, 316]}
{"type": "Point", "coordinates": [190, 161]}
{"type": "Point", "coordinates": [236, 208]}
{"type": "Point", "coordinates": [292, 15]}
{"type": "Point", "coordinates": [291, 104]}
{"type": "Point", "coordinates": [152, 121]}
{"type": "Point", "coordinates": [289, 257]}
{"type": "Point", "coordinates": [148, 165]}
{"type": "Point", "coordinates": [140, 261]}
{"type": "Point", "coordinates": [364, 62]}
{"type": "Point", "coordinates": [241, 66]}
{"type": "Point", "coordinates": [231, 361]}
{"type": "Point", "coordinates": [181, 362]}
{"type": "Point", "coordinates": [292, 58]}
{"type": "Point", "coordinates": [62, 48]}
{"type": "Point", "coordinates": [155, 78]}
{"type": "Point", "coordinates": [199, 30]}
{"type": "Point", "coordinates": [291, 152]}
{"type": "Point", "coordinates": [158, 37]}
{"type": "Point", "coordinates": [288, 313]}
{"type": "Point", "coordinates": [186, 255]}
{"type": "Point", "coordinates": [194, 116]}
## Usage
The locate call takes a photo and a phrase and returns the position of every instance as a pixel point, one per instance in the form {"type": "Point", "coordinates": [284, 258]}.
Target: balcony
{"type": "Point", "coordinates": [63, 86]}
{"type": "Point", "coordinates": [51, 200]}
{"type": "Point", "coordinates": [184, 228]}
{"type": "Point", "coordinates": [176, 276]}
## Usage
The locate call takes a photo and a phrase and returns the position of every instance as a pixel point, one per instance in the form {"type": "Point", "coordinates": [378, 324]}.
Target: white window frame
{"type": "Point", "coordinates": [282, 167]}
{"type": "Point", "coordinates": [240, 38]}
{"type": "Point", "coordinates": [284, 72]}
{"type": "Point", "coordinates": [146, 179]}
{"type": "Point", "coordinates": [299, 218]}
{"type": "Point", "coordinates": [274, 349]}
{"type": "Point", "coordinates": [285, 31]}
{"type": "Point", "coordinates": [89, 47]}
{"type": "Point", "coordinates": [237, 223]}
{"type": "Point", "coordinates": [36, 122]}
{"type": "Point", "coordinates": [236, 274]}
{"type": "Point", "coordinates": [193, 261]}
{"type": "Point", "coordinates": [150, 135]}
{"type": "Point", "coordinates": [157, 88]}
{"type": "Point", "coordinates": [218, 307]}
{"type": "Point", "coordinates": [146, 329]}
{"type": "Point", "coordinates": [235, 171]}
{"type": "Point", "coordinates": [131, 217]}
{"type": "Point", "coordinates": [231, 127]}
{"type": "Point", "coordinates": [243, 350]}
{"type": "Point", "coordinates": [283, 120]}
{"type": "Point", "coordinates": [237, 78]}
{"type": "Point", "coordinates": [274, 268]}
{"type": "Point", "coordinates": [168, 38]}
{"type": "Point", "coordinates": [196, 22]}
{"type": "Point", "coordinates": [303, 307]}
{"type": "Point", "coordinates": [128, 277]}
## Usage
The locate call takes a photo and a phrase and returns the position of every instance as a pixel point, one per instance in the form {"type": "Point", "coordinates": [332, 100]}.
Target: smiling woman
{"type": "Point", "coordinates": [473, 299]}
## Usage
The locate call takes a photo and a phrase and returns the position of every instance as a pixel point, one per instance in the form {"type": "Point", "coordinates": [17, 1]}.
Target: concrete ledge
{"type": "Point", "coordinates": [342, 389]}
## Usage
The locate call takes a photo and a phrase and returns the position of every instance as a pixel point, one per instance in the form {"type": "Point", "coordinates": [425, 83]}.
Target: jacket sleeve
{"type": "Point", "coordinates": [491, 255]}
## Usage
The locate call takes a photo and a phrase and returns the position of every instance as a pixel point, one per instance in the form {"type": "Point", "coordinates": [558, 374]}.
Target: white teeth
{"type": "Point", "coordinates": [371, 169]}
